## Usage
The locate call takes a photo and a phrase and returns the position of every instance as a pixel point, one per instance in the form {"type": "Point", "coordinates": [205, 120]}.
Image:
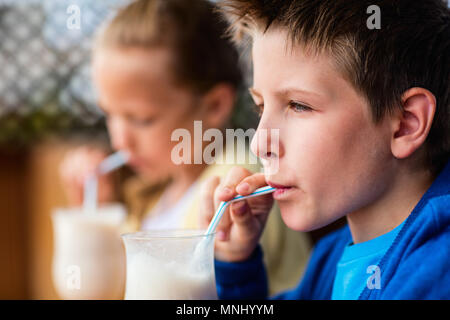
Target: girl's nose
{"type": "Point", "coordinates": [121, 135]}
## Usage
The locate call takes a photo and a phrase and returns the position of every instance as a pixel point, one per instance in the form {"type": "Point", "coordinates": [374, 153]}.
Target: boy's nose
{"type": "Point", "coordinates": [266, 143]}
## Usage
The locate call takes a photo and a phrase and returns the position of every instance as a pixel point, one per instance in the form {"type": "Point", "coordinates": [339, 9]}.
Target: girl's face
{"type": "Point", "coordinates": [143, 106]}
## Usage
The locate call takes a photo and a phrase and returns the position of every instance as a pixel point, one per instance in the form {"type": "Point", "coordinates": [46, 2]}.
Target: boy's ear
{"type": "Point", "coordinates": [413, 123]}
{"type": "Point", "coordinates": [217, 105]}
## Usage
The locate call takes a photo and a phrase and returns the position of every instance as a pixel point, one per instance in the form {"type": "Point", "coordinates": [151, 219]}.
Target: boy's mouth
{"type": "Point", "coordinates": [283, 192]}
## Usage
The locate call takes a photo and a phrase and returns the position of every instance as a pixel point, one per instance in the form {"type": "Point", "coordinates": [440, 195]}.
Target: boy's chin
{"type": "Point", "coordinates": [299, 219]}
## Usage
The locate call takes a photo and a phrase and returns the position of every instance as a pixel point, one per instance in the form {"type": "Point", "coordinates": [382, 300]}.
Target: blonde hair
{"type": "Point", "coordinates": [191, 29]}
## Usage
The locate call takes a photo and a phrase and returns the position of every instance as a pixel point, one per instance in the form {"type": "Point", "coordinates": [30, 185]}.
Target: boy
{"type": "Point", "coordinates": [363, 117]}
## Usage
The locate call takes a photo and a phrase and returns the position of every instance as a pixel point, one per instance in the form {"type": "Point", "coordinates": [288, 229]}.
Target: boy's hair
{"type": "Point", "coordinates": [411, 49]}
{"type": "Point", "coordinates": [192, 30]}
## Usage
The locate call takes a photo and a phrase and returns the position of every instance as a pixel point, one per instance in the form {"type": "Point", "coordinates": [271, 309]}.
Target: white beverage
{"type": "Point", "coordinates": [150, 279]}
{"type": "Point", "coordinates": [89, 258]}
{"type": "Point", "coordinates": [163, 268]}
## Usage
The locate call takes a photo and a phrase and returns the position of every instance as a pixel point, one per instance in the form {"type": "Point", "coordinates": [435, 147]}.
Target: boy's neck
{"type": "Point", "coordinates": [391, 209]}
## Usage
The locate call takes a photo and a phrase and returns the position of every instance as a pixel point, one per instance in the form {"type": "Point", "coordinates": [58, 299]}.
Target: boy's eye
{"type": "Point", "coordinates": [298, 107]}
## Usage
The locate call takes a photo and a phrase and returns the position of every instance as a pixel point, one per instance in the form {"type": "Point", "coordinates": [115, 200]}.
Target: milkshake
{"type": "Point", "coordinates": [89, 258]}
{"type": "Point", "coordinates": [162, 265]}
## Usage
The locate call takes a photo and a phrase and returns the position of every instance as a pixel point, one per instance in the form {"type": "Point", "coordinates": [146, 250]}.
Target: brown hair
{"type": "Point", "coordinates": [411, 49]}
{"type": "Point", "coordinates": [191, 29]}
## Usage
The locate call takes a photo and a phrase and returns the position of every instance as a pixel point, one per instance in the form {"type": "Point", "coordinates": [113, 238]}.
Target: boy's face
{"type": "Point", "coordinates": [331, 155]}
{"type": "Point", "coordinates": [143, 106]}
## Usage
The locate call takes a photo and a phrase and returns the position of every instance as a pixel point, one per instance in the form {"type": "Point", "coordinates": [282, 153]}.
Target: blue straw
{"type": "Point", "coordinates": [109, 164]}
{"type": "Point", "coordinates": [224, 204]}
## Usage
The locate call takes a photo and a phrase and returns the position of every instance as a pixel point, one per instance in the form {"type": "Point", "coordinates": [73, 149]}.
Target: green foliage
{"type": "Point", "coordinates": [18, 131]}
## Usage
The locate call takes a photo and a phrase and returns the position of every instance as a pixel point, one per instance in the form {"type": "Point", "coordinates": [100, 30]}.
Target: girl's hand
{"type": "Point", "coordinates": [76, 166]}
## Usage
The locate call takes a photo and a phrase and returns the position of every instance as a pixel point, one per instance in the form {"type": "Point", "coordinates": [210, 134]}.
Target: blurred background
{"type": "Point", "coordinates": [47, 106]}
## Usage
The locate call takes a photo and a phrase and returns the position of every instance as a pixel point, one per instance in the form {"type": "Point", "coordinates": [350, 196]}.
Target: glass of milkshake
{"type": "Point", "coordinates": [169, 265]}
{"type": "Point", "coordinates": [89, 257]}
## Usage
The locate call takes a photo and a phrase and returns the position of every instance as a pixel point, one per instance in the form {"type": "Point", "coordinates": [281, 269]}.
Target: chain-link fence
{"type": "Point", "coordinates": [45, 82]}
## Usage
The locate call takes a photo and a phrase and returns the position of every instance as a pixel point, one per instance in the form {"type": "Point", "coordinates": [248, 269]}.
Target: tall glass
{"type": "Point", "coordinates": [89, 257]}
{"type": "Point", "coordinates": [168, 265]}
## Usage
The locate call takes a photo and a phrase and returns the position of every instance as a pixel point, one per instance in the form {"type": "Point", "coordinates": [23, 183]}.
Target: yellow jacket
{"type": "Point", "coordinates": [285, 251]}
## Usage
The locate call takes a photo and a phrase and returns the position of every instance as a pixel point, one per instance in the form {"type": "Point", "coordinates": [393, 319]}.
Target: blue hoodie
{"type": "Point", "coordinates": [416, 266]}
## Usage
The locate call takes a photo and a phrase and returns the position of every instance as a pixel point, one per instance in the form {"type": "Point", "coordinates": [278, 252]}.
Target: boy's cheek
{"type": "Point", "coordinates": [322, 179]}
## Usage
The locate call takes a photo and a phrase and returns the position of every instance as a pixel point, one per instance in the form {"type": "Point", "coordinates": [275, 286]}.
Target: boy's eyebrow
{"type": "Point", "coordinates": [286, 91]}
